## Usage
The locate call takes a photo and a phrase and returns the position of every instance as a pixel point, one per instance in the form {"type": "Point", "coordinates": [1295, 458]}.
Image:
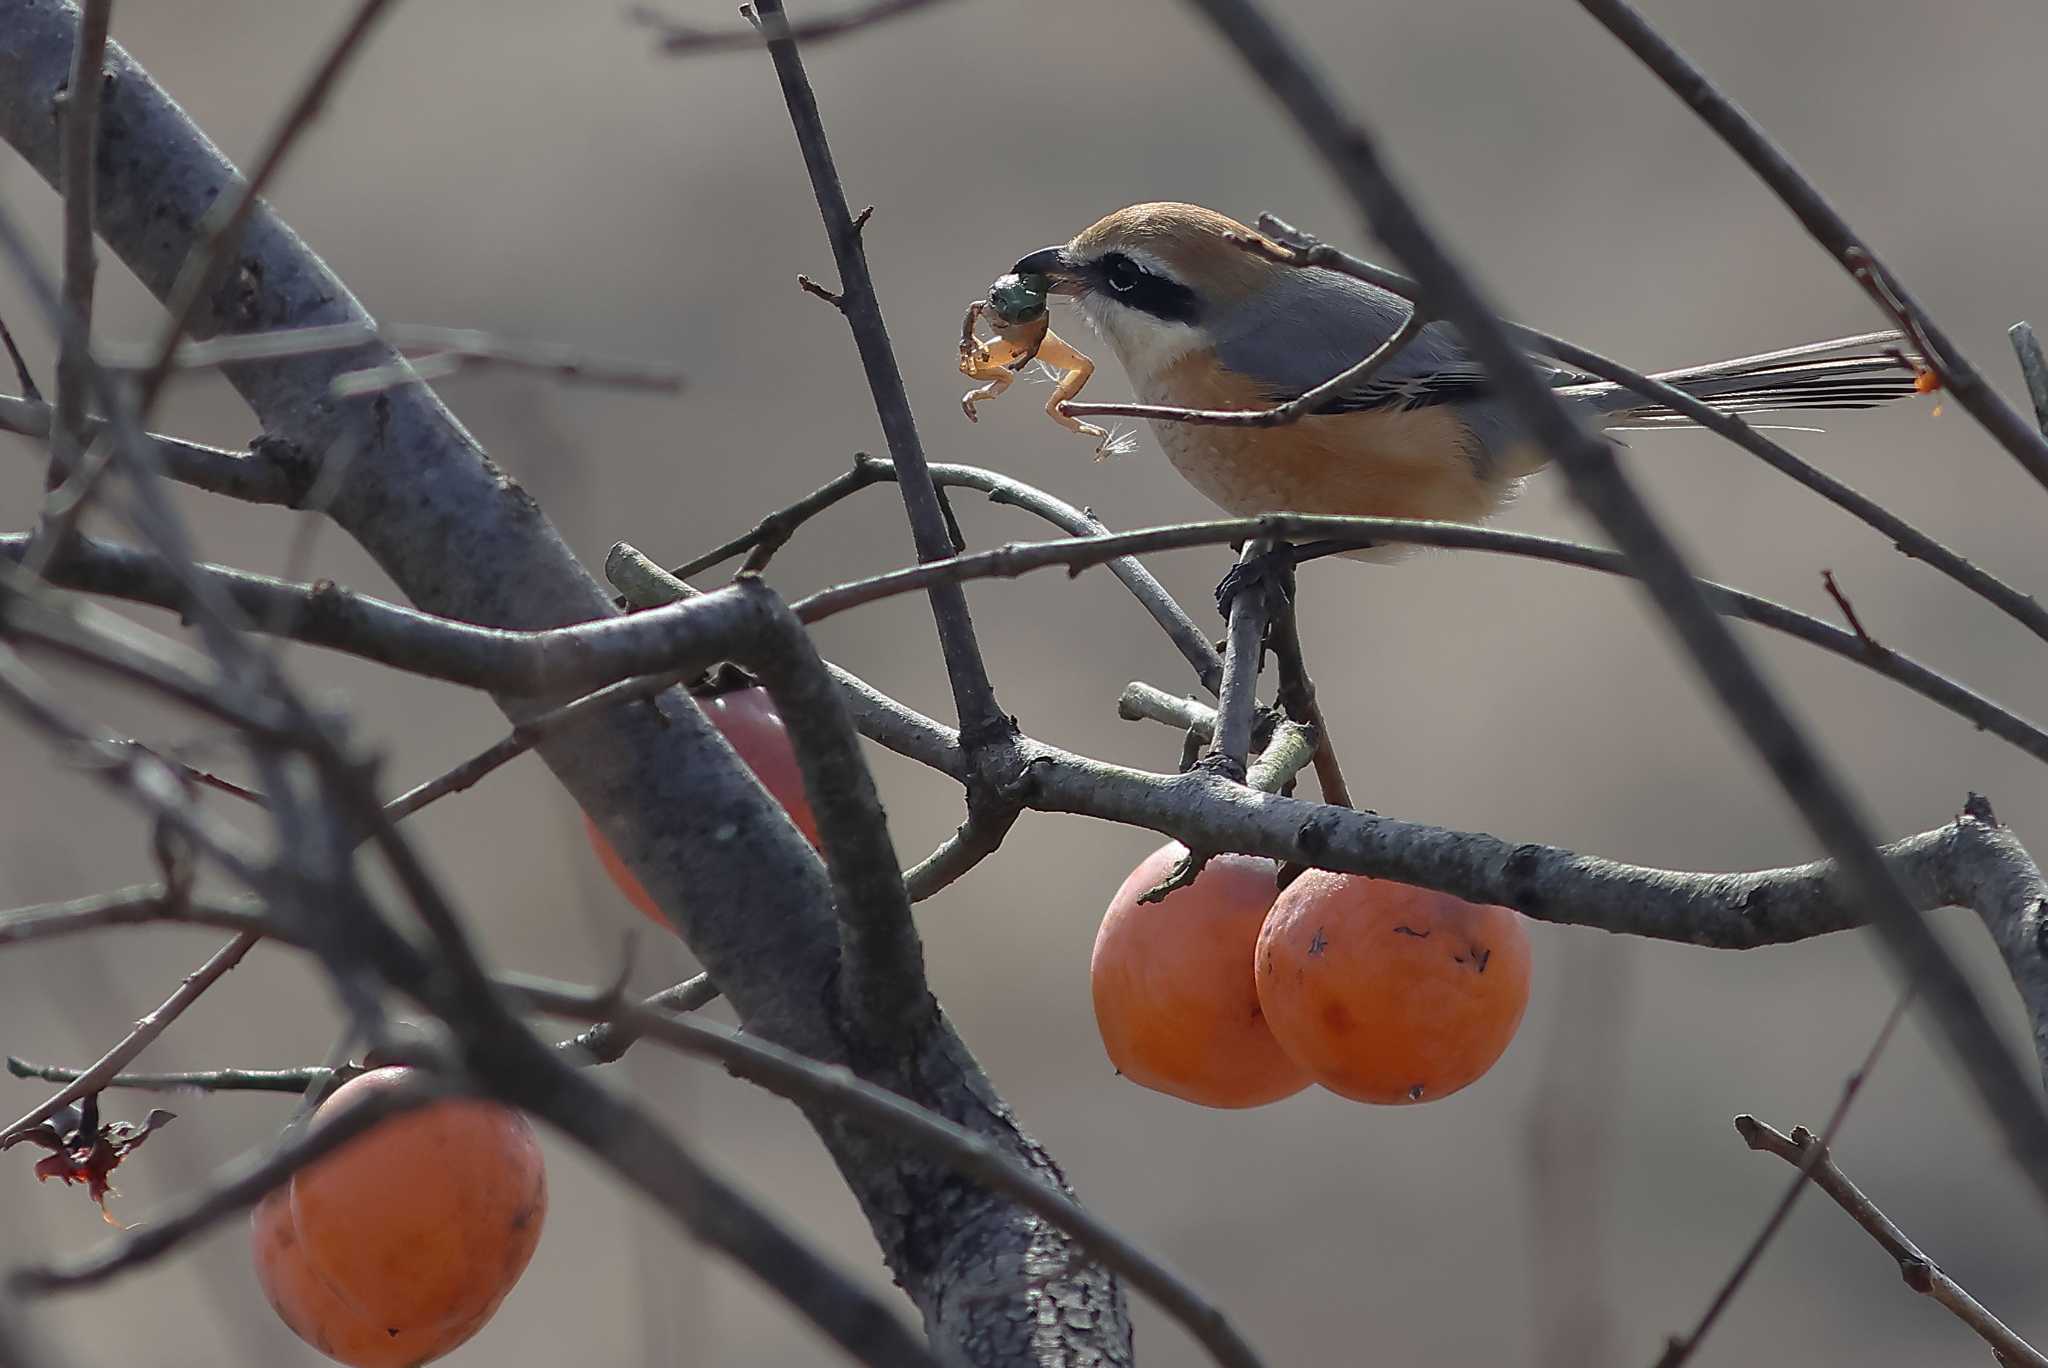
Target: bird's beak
{"type": "Point", "coordinates": [1055, 265]}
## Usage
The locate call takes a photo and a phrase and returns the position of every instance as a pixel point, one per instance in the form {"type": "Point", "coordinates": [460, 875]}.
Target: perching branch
{"type": "Point", "coordinates": [1280, 415]}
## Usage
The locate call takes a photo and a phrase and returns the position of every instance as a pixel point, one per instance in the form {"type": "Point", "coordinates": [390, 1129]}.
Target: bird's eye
{"type": "Point", "coordinates": [1121, 273]}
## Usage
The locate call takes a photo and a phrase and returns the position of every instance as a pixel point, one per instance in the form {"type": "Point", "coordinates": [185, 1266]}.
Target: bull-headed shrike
{"type": "Point", "coordinates": [1199, 321]}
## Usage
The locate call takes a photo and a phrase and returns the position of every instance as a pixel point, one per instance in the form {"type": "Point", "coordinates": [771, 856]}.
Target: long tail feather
{"type": "Point", "coordinates": [1808, 377]}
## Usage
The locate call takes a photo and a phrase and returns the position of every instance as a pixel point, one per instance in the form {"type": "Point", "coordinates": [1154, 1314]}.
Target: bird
{"type": "Point", "coordinates": [1201, 318]}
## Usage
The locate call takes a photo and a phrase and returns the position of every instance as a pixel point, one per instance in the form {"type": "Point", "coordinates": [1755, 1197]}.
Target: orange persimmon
{"type": "Point", "coordinates": [1172, 980]}
{"type": "Point", "coordinates": [428, 1219]}
{"type": "Point", "coordinates": [754, 730]}
{"type": "Point", "coordinates": [1385, 992]}
{"type": "Point", "coordinates": [316, 1313]}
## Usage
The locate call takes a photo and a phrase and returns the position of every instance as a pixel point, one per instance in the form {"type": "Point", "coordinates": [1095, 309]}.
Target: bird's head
{"type": "Point", "coordinates": [1154, 279]}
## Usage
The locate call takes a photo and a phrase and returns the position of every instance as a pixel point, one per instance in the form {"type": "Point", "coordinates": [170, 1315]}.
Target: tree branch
{"type": "Point", "coordinates": [1748, 140]}
{"type": "Point", "coordinates": [1808, 1153]}
{"type": "Point", "coordinates": [981, 718]}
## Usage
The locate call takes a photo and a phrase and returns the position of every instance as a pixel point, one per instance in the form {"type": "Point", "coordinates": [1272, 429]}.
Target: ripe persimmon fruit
{"type": "Point", "coordinates": [1385, 992]}
{"type": "Point", "coordinates": [421, 1224]}
{"type": "Point", "coordinates": [316, 1313]}
{"type": "Point", "coordinates": [752, 727]}
{"type": "Point", "coordinates": [1172, 980]}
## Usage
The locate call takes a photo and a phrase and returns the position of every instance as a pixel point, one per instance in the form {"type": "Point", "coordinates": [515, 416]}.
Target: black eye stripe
{"type": "Point", "coordinates": [1120, 278]}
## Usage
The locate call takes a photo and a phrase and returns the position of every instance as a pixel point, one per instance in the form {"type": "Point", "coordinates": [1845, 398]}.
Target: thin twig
{"type": "Point", "coordinates": [280, 475]}
{"type": "Point", "coordinates": [1296, 694]}
{"type": "Point", "coordinates": [1748, 140]}
{"type": "Point", "coordinates": [977, 838]}
{"type": "Point", "coordinates": [1280, 415]}
{"type": "Point", "coordinates": [1809, 1153]}
{"type": "Point", "coordinates": [1141, 702]}
{"type": "Point", "coordinates": [205, 1080]}
{"type": "Point", "coordinates": [443, 351]}
{"type": "Point", "coordinates": [1678, 1350]}
{"type": "Point", "coordinates": [677, 39]}
{"type": "Point", "coordinates": [1827, 579]}
{"type": "Point", "coordinates": [778, 527]}
{"type": "Point", "coordinates": [1804, 774]}
{"type": "Point", "coordinates": [146, 1030]}
{"type": "Point", "coordinates": [1290, 751]}
{"type": "Point", "coordinates": [22, 375]}
{"type": "Point", "coordinates": [982, 720]}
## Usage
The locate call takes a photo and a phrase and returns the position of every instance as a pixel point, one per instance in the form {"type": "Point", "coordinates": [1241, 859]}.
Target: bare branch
{"type": "Point", "coordinates": [1141, 702]}
{"type": "Point", "coordinates": [143, 905]}
{"type": "Point", "coordinates": [137, 1040]}
{"type": "Point", "coordinates": [277, 474]}
{"type": "Point", "coordinates": [778, 527]}
{"type": "Point", "coordinates": [1280, 415]}
{"type": "Point", "coordinates": [1678, 1349]}
{"type": "Point", "coordinates": [22, 375]}
{"type": "Point", "coordinates": [981, 718]}
{"type": "Point", "coordinates": [973, 841]}
{"type": "Point", "coordinates": [1809, 1153]}
{"type": "Point", "coordinates": [2034, 367]}
{"type": "Point", "coordinates": [1296, 695]}
{"type": "Point", "coordinates": [1748, 140]}
{"type": "Point", "coordinates": [293, 1081]}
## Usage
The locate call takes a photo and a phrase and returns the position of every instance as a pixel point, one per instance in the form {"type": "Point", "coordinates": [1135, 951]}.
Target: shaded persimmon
{"type": "Point", "coordinates": [1385, 992]}
{"type": "Point", "coordinates": [1172, 980]}
{"type": "Point", "coordinates": [751, 726]}
{"type": "Point", "coordinates": [316, 1313]}
{"type": "Point", "coordinates": [429, 1218]}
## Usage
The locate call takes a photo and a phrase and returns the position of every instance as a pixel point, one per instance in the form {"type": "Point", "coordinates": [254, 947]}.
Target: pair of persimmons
{"type": "Point", "coordinates": [1225, 994]}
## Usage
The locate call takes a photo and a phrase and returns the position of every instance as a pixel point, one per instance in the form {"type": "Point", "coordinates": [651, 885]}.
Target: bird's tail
{"type": "Point", "coordinates": [1845, 373]}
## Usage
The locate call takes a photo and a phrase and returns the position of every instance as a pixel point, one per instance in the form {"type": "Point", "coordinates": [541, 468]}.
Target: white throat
{"type": "Point", "coordinates": [1145, 345]}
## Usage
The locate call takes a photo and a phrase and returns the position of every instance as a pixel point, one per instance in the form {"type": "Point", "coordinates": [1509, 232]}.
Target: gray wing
{"type": "Point", "coordinates": [1314, 323]}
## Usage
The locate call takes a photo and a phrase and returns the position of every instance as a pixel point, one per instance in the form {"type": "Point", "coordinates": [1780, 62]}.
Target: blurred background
{"type": "Point", "coordinates": [540, 171]}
